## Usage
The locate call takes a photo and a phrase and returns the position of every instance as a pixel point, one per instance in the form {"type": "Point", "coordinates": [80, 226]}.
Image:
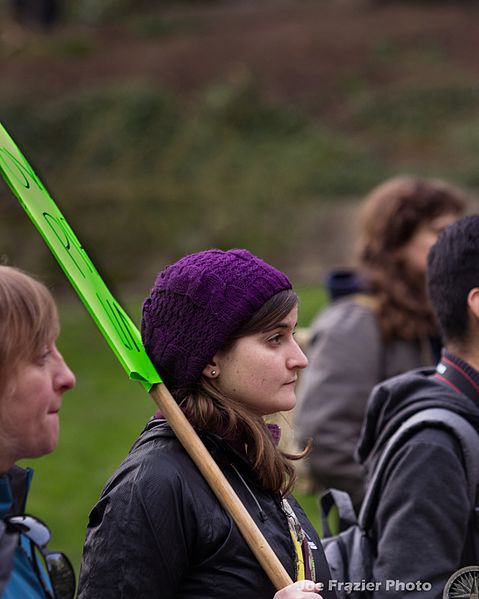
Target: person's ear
{"type": "Point", "coordinates": [211, 370]}
{"type": "Point", "coordinates": [473, 301]}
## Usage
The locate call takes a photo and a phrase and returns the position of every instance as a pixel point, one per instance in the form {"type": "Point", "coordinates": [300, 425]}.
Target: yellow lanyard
{"type": "Point", "coordinates": [300, 544]}
{"type": "Point", "coordinates": [300, 574]}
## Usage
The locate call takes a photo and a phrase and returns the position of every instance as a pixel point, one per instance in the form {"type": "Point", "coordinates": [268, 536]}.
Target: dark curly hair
{"type": "Point", "coordinates": [390, 215]}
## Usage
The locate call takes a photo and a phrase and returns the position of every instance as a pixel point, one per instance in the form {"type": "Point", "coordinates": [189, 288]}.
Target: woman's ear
{"type": "Point", "coordinates": [211, 370]}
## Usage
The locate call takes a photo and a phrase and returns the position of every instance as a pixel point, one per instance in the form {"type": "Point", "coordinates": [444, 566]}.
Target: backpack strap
{"type": "Point", "coordinates": [464, 432]}
{"type": "Point", "coordinates": [344, 517]}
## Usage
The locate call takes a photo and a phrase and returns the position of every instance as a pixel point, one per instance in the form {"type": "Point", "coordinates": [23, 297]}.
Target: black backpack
{"type": "Point", "coordinates": [350, 553]}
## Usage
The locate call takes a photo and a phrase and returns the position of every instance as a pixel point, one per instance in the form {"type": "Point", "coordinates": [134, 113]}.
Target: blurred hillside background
{"type": "Point", "coordinates": [259, 124]}
{"type": "Point", "coordinates": [162, 128]}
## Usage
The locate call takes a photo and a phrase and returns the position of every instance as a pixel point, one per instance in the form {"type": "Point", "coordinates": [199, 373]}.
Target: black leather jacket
{"type": "Point", "coordinates": [159, 532]}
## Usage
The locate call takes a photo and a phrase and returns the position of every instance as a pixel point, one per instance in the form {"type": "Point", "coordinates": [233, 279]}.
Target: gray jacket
{"type": "Point", "coordinates": [347, 358]}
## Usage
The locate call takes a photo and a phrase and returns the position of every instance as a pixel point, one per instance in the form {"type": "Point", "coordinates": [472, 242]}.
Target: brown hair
{"type": "Point", "coordinates": [208, 409]}
{"type": "Point", "coordinates": [28, 320]}
{"type": "Point", "coordinates": [390, 216]}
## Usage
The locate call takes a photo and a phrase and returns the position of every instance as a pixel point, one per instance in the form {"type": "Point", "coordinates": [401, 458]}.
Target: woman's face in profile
{"type": "Point", "coordinates": [415, 252]}
{"type": "Point", "coordinates": [29, 416]}
{"type": "Point", "coordinates": [260, 370]}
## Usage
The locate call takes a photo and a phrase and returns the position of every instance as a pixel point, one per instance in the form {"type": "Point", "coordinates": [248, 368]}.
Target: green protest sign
{"type": "Point", "coordinates": [116, 326]}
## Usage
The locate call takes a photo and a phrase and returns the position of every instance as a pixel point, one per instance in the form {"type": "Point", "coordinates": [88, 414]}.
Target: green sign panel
{"type": "Point", "coordinates": [118, 329]}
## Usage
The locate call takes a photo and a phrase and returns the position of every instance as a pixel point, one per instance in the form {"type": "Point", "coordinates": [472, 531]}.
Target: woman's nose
{"type": "Point", "coordinates": [65, 378]}
{"type": "Point", "coordinates": [298, 359]}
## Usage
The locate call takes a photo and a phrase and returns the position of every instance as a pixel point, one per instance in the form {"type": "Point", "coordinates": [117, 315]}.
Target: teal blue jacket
{"type": "Point", "coordinates": [18, 576]}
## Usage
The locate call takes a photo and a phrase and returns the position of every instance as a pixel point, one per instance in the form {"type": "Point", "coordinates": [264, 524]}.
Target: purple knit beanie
{"type": "Point", "coordinates": [197, 304]}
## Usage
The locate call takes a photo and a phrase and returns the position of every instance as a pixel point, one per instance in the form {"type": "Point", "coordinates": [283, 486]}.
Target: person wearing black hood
{"type": "Point", "coordinates": [424, 526]}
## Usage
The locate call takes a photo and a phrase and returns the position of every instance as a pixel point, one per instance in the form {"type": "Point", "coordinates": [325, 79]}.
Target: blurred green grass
{"type": "Point", "coordinates": [100, 420]}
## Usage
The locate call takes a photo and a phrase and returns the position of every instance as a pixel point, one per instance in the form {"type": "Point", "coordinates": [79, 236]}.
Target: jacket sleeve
{"type": "Point", "coordinates": [140, 537]}
{"type": "Point", "coordinates": [422, 517]}
{"type": "Point", "coordinates": [344, 365]}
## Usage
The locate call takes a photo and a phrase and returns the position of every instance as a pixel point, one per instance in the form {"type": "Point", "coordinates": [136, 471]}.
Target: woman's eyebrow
{"type": "Point", "coordinates": [279, 325]}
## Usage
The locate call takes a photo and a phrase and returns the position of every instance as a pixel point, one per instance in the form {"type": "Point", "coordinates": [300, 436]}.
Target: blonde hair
{"type": "Point", "coordinates": [28, 320]}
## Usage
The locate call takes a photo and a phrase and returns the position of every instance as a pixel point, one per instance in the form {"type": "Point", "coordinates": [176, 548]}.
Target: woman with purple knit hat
{"type": "Point", "coordinates": [219, 327]}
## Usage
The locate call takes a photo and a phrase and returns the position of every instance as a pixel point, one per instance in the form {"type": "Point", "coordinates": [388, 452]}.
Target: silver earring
{"type": "Point", "coordinates": [213, 373]}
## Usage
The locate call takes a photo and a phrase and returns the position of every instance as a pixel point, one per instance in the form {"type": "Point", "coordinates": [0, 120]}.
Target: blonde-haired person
{"type": "Point", "coordinates": [33, 378]}
{"type": "Point", "coordinates": [380, 323]}
{"type": "Point", "coordinates": [219, 326]}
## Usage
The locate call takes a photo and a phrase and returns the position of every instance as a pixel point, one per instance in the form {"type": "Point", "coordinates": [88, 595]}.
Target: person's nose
{"type": "Point", "coordinates": [298, 358]}
{"type": "Point", "coordinates": [65, 379]}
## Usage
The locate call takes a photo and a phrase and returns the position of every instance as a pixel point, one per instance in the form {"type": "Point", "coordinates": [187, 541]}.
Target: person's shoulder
{"type": "Point", "coordinates": [413, 384]}
{"type": "Point", "coordinates": [432, 437]}
{"type": "Point", "coordinates": [157, 457]}
{"type": "Point", "coordinates": [158, 452]}
{"type": "Point", "coordinates": [350, 317]}
{"type": "Point", "coordinates": [434, 445]}
{"type": "Point", "coordinates": [353, 308]}
{"type": "Point", "coordinates": [431, 454]}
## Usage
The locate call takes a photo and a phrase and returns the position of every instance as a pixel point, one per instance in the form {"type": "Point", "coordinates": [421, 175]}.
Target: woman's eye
{"type": "Point", "coordinates": [43, 357]}
{"type": "Point", "coordinates": [275, 339]}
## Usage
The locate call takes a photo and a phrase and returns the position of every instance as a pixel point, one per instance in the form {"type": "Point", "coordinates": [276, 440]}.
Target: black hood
{"type": "Point", "coordinates": [394, 400]}
{"type": "Point", "coordinates": [343, 281]}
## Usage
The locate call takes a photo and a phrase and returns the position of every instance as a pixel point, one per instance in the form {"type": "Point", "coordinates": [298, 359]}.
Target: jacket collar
{"type": "Point", "coordinates": [14, 487]}
{"type": "Point", "coordinates": [458, 375]}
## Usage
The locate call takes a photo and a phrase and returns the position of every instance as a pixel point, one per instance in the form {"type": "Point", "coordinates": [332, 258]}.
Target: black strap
{"type": "Point", "coordinates": [335, 498]}
{"type": "Point", "coordinates": [466, 434]}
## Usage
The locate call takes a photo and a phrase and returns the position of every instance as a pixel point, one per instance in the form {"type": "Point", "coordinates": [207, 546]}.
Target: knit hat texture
{"type": "Point", "coordinates": [197, 304]}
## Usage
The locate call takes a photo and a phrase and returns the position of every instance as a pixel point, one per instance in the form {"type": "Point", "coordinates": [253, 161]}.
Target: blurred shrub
{"type": "Point", "coordinates": [74, 46]}
{"type": "Point", "coordinates": [143, 178]}
{"type": "Point", "coordinates": [415, 111]}
{"type": "Point", "coordinates": [463, 144]}
{"type": "Point", "coordinates": [157, 26]}
{"type": "Point", "coordinates": [95, 12]}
